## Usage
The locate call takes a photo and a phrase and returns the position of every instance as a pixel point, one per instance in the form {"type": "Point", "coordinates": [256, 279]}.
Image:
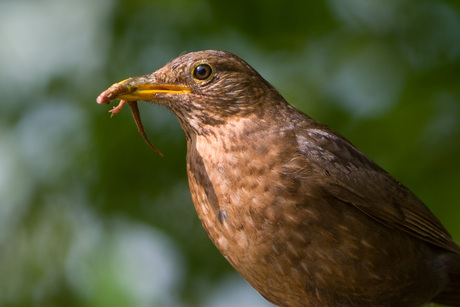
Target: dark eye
{"type": "Point", "coordinates": [202, 71]}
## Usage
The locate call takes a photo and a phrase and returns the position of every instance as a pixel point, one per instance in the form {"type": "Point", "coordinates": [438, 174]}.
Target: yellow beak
{"type": "Point", "coordinates": [138, 88]}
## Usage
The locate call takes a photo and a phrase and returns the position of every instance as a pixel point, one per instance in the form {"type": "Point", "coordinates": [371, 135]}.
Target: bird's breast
{"type": "Point", "coordinates": [229, 184]}
{"type": "Point", "coordinates": [235, 185]}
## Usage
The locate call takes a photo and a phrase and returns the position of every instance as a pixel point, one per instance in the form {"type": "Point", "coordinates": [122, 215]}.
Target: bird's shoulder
{"type": "Point", "coordinates": [345, 173]}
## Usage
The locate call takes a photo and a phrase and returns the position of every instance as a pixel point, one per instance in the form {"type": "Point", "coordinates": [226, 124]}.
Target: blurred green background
{"type": "Point", "coordinates": [91, 216]}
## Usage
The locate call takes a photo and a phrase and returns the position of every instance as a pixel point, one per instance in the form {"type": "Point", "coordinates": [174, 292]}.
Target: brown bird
{"type": "Point", "coordinates": [303, 215]}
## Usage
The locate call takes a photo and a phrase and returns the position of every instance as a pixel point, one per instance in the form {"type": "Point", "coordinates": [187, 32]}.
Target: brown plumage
{"type": "Point", "coordinates": [305, 217]}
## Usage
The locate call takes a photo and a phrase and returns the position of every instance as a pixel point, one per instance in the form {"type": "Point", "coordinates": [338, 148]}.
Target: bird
{"type": "Point", "coordinates": [301, 213]}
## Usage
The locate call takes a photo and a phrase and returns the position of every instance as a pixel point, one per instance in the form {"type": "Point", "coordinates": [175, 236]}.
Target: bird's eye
{"type": "Point", "coordinates": [202, 72]}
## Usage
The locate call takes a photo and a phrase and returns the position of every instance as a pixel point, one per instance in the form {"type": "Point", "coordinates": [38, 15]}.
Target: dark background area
{"type": "Point", "coordinates": [91, 216]}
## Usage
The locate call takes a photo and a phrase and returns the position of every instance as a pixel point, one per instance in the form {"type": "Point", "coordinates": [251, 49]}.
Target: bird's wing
{"type": "Point", "coordinates": [353, 178]}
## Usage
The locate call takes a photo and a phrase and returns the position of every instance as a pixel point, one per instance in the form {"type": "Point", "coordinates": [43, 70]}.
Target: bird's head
{"type": "Point", "coordinates": [203, 89]}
